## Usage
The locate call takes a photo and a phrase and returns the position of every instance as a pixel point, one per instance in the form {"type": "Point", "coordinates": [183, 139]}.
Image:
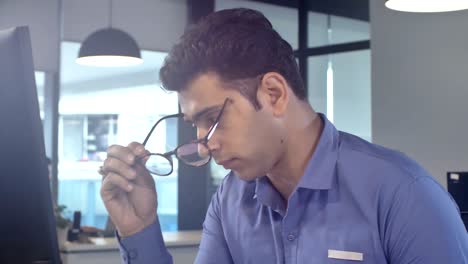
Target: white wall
{"type": "Point", "coordinates": [155, 24]}
{"type": "Point", "coordinates": [42, 18]}
{"type": "Point", "coordinates": [420, 86]}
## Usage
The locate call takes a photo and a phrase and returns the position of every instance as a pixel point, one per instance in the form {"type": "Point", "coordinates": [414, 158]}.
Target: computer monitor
{"type": "Point", "coordinates": [457, 186]}
{"type": "Point", "coordinates": [27, 223]}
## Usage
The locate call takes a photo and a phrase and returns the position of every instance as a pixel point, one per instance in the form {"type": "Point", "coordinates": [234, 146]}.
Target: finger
{"type": "Point", "coordinates": [119, 167]}
{"type": "Point", "coordinates": [142, 155]}
{"type": "Point", "coordinates": [102, 172]}
{"type": "Point", "coordinates": [145, 158]}
{"type": "Point", "coordinates": [113, 180]}
{"type": "Point", "coordinates": [138, 149]}
{"type": "Point", "coordinates": [122, 153]}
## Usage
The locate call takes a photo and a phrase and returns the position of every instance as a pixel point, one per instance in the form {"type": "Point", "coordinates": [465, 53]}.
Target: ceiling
{"type": "Point", "coordinates": [72, 73]}
{"type": "Point", "coordinates": [355, 9]}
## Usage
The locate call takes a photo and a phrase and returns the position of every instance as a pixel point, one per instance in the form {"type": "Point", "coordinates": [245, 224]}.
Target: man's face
{"type": "Point", "coordinates": [246, 140]}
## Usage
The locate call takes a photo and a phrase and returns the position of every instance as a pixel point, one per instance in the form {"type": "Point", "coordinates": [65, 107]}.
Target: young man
{"type": "Point", "coordinates": [299, 191]}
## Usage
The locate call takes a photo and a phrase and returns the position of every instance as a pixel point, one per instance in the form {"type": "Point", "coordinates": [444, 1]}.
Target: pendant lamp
{"type": "Point", "coordinates": [109, 47]}
{"type": "Point", "coordinates": [427, 6]}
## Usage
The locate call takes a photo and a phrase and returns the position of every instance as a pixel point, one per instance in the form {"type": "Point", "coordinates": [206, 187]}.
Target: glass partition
{"type": "Point", "coordinates": [100, 107]}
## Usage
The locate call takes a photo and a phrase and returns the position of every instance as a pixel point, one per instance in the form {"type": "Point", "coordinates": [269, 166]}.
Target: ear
{"type": "Point", "coordinates": [273, 90]}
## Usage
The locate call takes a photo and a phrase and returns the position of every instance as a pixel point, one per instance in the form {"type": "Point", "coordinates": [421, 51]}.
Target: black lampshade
{"type": "Point", "coordinates": [109, 47]}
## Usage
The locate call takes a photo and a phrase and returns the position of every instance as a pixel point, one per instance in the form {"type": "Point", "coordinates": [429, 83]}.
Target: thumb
{"type": "Point", "coordinates": [145, 157]}
{"type": "Point", "coordinates": [140, 167]}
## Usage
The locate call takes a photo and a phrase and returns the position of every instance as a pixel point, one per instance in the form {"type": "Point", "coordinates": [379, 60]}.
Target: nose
{"type": "Point", "coordinates": [212, 144]}
{"type": "Point", "coordinates": [203, 151]}
{"type": "Point", "coordinates": [201, 133]}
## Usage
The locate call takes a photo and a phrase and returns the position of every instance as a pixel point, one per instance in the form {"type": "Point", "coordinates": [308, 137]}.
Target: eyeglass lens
{"type": "Point", "coordinates": [159, 165]}
{"type": "Point", "coordinates": [194, 154]}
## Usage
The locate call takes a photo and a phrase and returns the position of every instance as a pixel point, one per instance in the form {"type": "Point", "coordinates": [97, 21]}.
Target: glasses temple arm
{"type": "Point", "coordinates": [152, 129]}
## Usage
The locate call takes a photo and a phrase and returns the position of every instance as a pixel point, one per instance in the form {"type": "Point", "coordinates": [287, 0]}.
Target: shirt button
{"type": "Point", "coordinates": [291, 237]}
{"type": "Point", "coordinates": [132, 254]}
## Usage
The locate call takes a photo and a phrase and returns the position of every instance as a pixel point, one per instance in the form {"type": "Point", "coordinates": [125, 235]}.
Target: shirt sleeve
{"type": "Point", "coordinates": [423, 226]}
{"type": "Point", "coordinates": [213, 247]}
{"type": "Point", "coordinates": [146, 246]}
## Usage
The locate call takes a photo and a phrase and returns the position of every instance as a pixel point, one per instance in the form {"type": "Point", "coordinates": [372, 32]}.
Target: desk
{"type": "Point", "coordinates": [183, 246]}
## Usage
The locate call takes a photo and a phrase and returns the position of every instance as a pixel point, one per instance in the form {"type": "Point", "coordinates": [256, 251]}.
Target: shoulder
{"type": "Point", "coordinates": [376, 161]}
{"type": "Point", "coordinates": [423, 222]}
{"type": "Point", "coordinates": [375, 175]}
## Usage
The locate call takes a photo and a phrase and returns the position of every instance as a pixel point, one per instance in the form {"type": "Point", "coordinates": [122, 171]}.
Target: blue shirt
{"type": "Point", "coordinates": [356, 203]}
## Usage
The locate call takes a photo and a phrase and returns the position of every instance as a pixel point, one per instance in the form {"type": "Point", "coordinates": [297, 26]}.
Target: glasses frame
{"type": "Point", "coordinates": [204, 141]}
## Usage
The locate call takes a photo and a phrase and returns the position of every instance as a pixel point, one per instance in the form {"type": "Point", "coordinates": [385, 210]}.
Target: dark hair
{"type": "Point", "coordinates": [237, 44]}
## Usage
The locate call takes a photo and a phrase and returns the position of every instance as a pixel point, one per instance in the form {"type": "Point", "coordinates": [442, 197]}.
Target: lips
{"type": "Point", "coordinates": [227, 164]}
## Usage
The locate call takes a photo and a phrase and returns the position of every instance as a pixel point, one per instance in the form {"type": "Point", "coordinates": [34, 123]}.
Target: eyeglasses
{"type": "Point", "coordinates": [195, 153]}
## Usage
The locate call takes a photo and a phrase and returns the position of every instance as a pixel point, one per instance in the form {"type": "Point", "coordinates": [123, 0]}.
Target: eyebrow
{"type": "Point", "coordinates": [203, 112]}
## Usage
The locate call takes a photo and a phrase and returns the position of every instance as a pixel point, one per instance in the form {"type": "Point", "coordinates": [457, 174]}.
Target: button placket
{"type": "Point", "coordinates": [132, 254]}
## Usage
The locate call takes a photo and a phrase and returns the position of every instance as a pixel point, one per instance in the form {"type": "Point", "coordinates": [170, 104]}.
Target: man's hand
{"type": "Point", "coordinates": [128, 190]}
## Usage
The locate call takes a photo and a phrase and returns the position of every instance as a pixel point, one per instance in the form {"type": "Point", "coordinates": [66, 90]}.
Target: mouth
{"type": "Point", "coordinates": [227, 164]}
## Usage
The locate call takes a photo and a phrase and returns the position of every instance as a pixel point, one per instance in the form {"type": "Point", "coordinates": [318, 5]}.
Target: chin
{"type": "Point", "coordinates": [247, 175]}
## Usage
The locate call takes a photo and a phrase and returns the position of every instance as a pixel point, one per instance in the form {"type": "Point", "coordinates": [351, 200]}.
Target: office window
{"type": "Point", "coordinates": [104, 106]}
{"type": "Point", "coordinates": [284, 19]}
{"type": "Point", "coordinates": [40, 86]}
{"type": "Point", "coordinates": [40, 81]}
{"type": "Point", "coordinates": [338, 67]}
{"type": "Point", "coordinates": [324, 29]}
{"type": "Point", "coordinates": [339, 86]}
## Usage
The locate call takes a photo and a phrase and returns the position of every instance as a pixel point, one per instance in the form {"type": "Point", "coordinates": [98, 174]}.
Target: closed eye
{"type": "Point", "coordinates": [206, 122]}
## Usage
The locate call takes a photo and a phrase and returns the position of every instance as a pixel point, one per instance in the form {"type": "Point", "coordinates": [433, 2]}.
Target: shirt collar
{"type": "Point", "coordinates": [268, 195]}
{"type": "Point", "coordinates": [320, 171]}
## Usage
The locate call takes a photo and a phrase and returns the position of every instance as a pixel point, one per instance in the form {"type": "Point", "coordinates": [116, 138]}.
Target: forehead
{"type": "Point", "coordinates": [205, 90]}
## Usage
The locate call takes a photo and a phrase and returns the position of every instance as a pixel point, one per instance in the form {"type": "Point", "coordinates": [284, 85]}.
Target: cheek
{"type": "Point", "coordinates": [264, 144]}
{"type": "Point", "coordinates": [269, 144]}
{"type": "Point", "coordinates": [258, 152]}
{"type": "Point", "coordinates": [252, 137]}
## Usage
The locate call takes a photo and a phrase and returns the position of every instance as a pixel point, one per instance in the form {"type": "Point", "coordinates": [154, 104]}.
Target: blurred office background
{"type": "Point", "coordinates": [392, 78]}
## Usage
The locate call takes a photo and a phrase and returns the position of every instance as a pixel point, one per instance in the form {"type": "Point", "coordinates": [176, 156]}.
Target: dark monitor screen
{"type": "Point", "coordinates": [457, 186]}
{"type": "Point", "coordinates": [27, 223]}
